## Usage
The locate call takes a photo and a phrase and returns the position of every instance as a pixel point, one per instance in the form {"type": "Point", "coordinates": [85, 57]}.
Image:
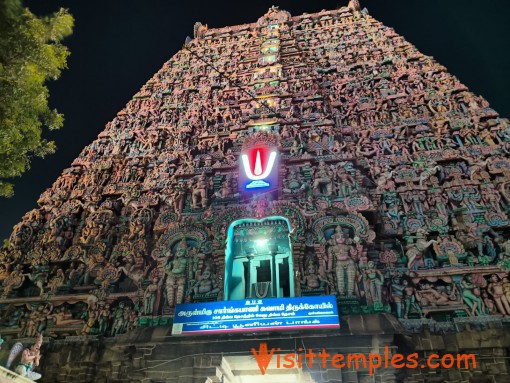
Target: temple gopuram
{"type": "Point", "coordinates": [301, 182]}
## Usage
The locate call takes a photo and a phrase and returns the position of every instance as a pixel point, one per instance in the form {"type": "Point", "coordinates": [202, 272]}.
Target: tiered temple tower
{"type": "Point", "coordinates": [300, 156]}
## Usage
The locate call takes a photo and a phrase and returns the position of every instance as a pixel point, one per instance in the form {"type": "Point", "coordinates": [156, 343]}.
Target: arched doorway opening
{"type": "Point", "coordinates": [259, 259]}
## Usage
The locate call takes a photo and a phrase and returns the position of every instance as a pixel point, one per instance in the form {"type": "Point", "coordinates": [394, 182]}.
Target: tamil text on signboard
{"type": "Point", "coordinates": [256, 315]}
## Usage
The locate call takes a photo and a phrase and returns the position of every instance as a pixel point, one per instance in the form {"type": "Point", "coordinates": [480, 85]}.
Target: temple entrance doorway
{"type": "Point", "coordinates": [259, 259]}
{"type": "Point", "coordinates": [244, 369]}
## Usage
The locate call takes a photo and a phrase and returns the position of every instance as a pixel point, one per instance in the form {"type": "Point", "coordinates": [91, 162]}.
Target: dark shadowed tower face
{"type": "Point", "coordinates": [296, 156]}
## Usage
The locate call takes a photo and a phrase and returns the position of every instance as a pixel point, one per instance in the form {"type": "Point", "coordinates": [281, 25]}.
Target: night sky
{"type": "Point", "coordinates": [117, 45]}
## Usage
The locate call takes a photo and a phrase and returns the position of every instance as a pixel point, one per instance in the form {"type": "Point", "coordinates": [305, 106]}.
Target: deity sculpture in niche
{"type": "Point", "coordinates": [397, 294]}
{"type": "Point", "coordinates": [429, 294]}
{"type": "Point", "coordinates": [471, 295]}
{"type": "Point", "coordinates": [415, 249]}
{"type": "Point", "coordinates": [227, 188]}
{"type": "Point", "coordinates": [199, 191]}
{"type": "Point", "coordinates": [297, 148]}
{"type": "Point", "coordinates": [175, 270]}
{"type": "Point", "coordinates": [345, 183]}
{"type": "Point", "coordinates": [103, 317]}
{"type": "Point", "coordinates": [149, 296]}
{"type": "Point", "coordinates": [323, 180]}
{"type": "Point", "coordinates": [375, 280]}
{"type": "Point", "coordinates": [119, 318]}
{"type": "Point", "coordinates": [294, 183]}
{"type": "Point", "coordinates": [313, 278]}
{"type": "Point", "coordinates": [207, 284]}
{"type": "Point", "coordinates": [410, 303]}
{"type": "Point", "coordinates": [340, 255]}
{"type": "Point", "coordinates": [496, 289]}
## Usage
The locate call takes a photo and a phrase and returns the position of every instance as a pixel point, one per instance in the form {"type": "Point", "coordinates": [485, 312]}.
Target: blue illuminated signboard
{"type": "Point", "coordinates": [251, 315]}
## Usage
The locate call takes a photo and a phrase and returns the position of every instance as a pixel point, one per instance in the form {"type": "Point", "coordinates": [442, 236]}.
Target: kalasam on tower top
{"type": "Point", "coordinates": [307, 181]}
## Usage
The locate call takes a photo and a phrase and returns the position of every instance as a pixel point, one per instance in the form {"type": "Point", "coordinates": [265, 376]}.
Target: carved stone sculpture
{"type": "Point", "coordinates": [339, 253]}
{"type": "Point", "coordinates": [175, 270]}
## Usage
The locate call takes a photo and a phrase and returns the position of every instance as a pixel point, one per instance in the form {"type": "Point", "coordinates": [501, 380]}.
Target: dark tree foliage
{"type": "Point", "coordinates": [31, 53]}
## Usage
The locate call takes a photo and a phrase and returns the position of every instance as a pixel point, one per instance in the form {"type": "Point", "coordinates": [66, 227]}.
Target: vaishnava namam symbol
{"type": "Point", "coordinates": [258, 175]}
